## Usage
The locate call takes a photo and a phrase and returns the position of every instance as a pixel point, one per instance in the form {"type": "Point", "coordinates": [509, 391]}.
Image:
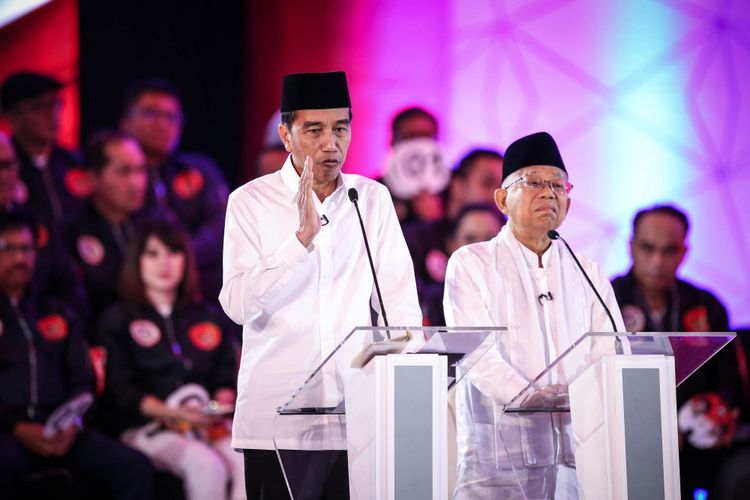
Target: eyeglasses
{"type": "Point", "coordinates": [152, 114]}
{"type": "Point", "coordinates": [534, 183]}
{"type": "Point", "coordinates": [13, 248]}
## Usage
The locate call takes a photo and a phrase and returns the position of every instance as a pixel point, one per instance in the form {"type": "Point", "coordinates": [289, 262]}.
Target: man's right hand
{"type": "Point", "coordinates": [309, 220]}
{"type": "Point", "coordinates": [30, 434]}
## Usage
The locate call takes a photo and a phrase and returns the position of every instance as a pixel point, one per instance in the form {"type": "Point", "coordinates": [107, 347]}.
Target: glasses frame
{"type": "Point", "coordinates": [523, 180]}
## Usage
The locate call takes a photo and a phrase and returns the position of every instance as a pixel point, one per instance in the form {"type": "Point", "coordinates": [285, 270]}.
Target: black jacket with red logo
{"type": "Point", "coordinates": [689, 309]}
{"type": "Point", "coordinates": [98, 249]}
{"type": "Point", "coordinates": [43, 359]}
{"type": "Point", "coordinates": [150, 354]}
{"type": "Point", "coordinates": [193, 189]}
{"type": "Point", "coordinates": [57, 189]}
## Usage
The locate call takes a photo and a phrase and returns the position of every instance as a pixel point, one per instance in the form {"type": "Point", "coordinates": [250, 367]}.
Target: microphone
{"type": "Point", "coordinates": [324, 220]}
{"type": "Point", "coordinates": [554, 235]}
{"type": "Point", "coordinates": [354, 197]}
{"type": "Point", "coordinates": [546, 296]}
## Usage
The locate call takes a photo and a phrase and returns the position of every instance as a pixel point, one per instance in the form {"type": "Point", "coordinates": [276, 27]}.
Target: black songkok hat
{"type": "Point", "coordinates": [25, 85]}
{"type": "Point", "coordinates": [314, 91]}
{"type": "Point", "coordinates": [535, 149]}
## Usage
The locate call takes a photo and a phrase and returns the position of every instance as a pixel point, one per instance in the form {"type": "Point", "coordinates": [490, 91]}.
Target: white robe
{"type": "Point", "coordinates": [497, 283]}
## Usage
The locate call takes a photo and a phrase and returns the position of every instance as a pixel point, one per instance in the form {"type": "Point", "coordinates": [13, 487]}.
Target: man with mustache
{"type": "Point", "coordinates": [54, 269]}
{"type": "Point", "coordinates": [44, 363]}
{"type": "Point", "coordinates": [297, 277]}
{"type": "Point", "coordinates": [654, 299]}
{"type": "Point", "coordinates": [98, 234]}
{"type": "Point", "coordinates": [524, 281]}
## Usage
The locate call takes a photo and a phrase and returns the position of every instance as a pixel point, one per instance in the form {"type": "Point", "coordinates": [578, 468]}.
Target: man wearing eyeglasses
{"type": "Point", "coordinates": [52, 183]}
{"type": "Point", "coordinates": [43, 364]}
{"type": "Point", "coordinates": [189, 186]}
{"type": "Point", "coordinates": [528, 283]}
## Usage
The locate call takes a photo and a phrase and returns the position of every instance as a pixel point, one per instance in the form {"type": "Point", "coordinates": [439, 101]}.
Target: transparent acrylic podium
{"type": "Point", "coordinates": [599, 422]}
{"type": "Point", "coordinates": [382, 395]}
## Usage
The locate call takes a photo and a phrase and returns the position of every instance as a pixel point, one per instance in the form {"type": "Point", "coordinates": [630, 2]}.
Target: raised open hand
{"type": "Point", "coordinates": [309, 220]}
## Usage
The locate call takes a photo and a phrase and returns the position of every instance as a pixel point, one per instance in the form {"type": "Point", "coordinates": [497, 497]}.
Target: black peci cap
{"type": "Point", "coordinates": [535, 149]}
{"type": "Point", "coordinates": [314, 91]}
{"type": "Point", "coordinates": [25, 85]}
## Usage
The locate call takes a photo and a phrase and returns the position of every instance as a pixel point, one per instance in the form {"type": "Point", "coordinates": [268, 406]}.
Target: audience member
{"type": "Point", "coordinates": [475, 223]}
{"type": "Point", "coordinates": [158, 339]}
{"type": "Point", "coordinates": [53, 184]}
{"type": "Point", "coordinates": [270, 159]}
{"type": "Point", "coordinates": [53, 269]}
{"type": "Point", "coordinates": [471, 183]}
{"type": "Point", "coordinates": [653, 299]}
{"type": "Point", "coordinates": [99, 233]}
{"type": "Point", "coordinates": [43, 364]}
{"type": "Point", "coordinates": [420, 203]}
{"type": "Point", "coordinates": [189, 186]}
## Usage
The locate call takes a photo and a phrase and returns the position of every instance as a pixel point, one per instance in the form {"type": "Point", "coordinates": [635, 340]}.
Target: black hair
{"type": "Point", "coordinates": [19, 219]}
{"type": "Point", "coordinates": [405, 115]}
{"type": "Point", "coordinates": [287, 118]}
{"type": "Point", "coordinates": [95, 157]}
{"type": "Point", "coordinates": [155, 85]}
{"type": "Point", "coordinates": [662, 209]}
{"type": "Point", "coordinates": [466, 163]}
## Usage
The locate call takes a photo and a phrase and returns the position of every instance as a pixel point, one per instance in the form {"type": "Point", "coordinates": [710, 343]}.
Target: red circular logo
{"type": "Point", "coordinates": [188, 183]}
{"type": "Point", "coordinates": [53, 327]}
{"type": "Point", "coordinates": [206, 335]}
{"type": "Point", "coordinates": [78, 183]}
{"type": "Point", "coordinates": [696, 319]}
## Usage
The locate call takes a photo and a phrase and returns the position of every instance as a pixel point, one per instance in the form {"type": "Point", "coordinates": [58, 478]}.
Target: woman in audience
{"type": "Point", "coordinates": [160, 339]}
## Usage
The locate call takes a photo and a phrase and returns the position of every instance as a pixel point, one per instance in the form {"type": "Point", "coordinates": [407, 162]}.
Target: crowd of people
{"type": "Point", "coordinates": [111, 278]}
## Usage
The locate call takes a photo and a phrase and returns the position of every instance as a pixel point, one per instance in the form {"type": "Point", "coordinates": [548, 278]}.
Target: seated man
{"type": "Point", "coordinates": [98, 235]}
{"type": "Point", "coordinates": [191, 187]}
{"type": "Point", "coordinates": [521, 280]}
{"type": "Point", "coordinates": [654, 299]}
{"type": "Point", "coordinates": [52, 183]}
{"type": "Point", "coordinates": [43, 364]}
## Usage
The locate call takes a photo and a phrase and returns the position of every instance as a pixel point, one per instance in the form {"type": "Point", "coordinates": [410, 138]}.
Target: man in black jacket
{"type": "Point", "coordinates": [188, 186]}
{"type": "Point", "coordinates": [44, 364]}
{"type": "Point", "coordinates": [653, 299]}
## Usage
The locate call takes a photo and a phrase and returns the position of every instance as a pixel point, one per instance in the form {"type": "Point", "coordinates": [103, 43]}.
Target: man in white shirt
{"type": "Point", "coordinates": [524, 281]}
{"type": "Point", "coordinates": [296, 276]}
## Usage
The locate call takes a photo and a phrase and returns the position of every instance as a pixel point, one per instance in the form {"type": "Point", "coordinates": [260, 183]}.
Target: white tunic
{"type": "Point", "coordinates": [498, 283]}
{"type": "Point", "coordinates": [295, 303]}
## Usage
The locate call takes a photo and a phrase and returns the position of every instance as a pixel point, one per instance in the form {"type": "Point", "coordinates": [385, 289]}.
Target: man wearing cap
{"type": "Point", "coordinates": [296, 275]}
{"type": "Point", "coordinates": [52, 182]}
{"type": "Point", "coordinates": [521, 280]}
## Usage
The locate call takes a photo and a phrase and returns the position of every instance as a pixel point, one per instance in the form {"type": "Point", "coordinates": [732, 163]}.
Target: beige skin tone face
{"type": "Point", "coordinates": [318, 140]}
{"type": "Point", "coordinates": [36, 121]}
{"type": "Point", "coordinates": [155, 120]}
{"type": "Point", "coordinates": [532, 213]}
{"type": "Point", "coordinates": [657, 248]}
{"type": "Point", "coordinates": [120, 188]}
{"type": "Point", "coordinates": [474, 227]}
{"type": "Point", "coordinates": [17, 260]}
{"type": "Point", "coordinates": [162, 269]}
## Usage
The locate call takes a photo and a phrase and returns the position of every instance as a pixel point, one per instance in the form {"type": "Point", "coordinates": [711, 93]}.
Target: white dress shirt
{"type": "Point", "coordinates": [295, 303]}
{"type": "Point", "coordinates": [498, 283]}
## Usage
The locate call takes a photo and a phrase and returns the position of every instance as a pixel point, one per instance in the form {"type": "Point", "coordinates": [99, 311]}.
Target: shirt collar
{"type": "Point", "coordinates": [290, 177]}
{"type": "Point", "coordinates": [532, 259]}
